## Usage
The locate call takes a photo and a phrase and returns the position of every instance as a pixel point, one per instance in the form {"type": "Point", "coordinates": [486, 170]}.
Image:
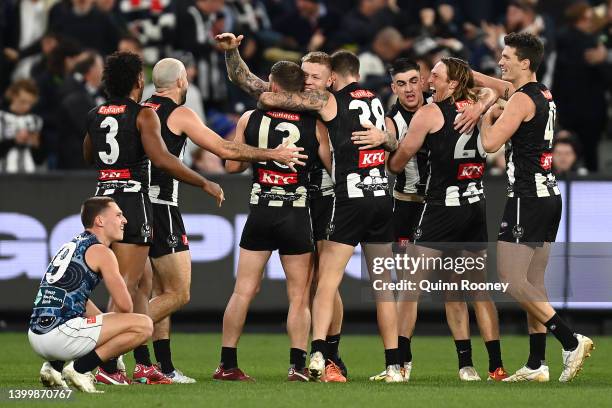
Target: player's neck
{"type": "Point", "coordinates": [342, 83]}
{"type": "Point", "coordinates": [521, 81]}
{"type": "Point", "coordinates": [414, 109]}
{"type": "Point", "coordinates": [100, 236]}
{"type": "Point", "coordinates": [172, 94]}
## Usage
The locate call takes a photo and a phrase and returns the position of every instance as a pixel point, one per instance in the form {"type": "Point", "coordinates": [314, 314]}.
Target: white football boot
{"type": "Point", "coordinates": [83, 382]}
{"type": "Point", "coordinates": [573, 360]}
{"type": "Point", "coordinates": [468, 374]}
{"type": "Point", "coordinates": [316, 366]}
{"type": "Point", "coordinates": [50, 377]}
{"type": "Point", "coordinates": [540, 374]}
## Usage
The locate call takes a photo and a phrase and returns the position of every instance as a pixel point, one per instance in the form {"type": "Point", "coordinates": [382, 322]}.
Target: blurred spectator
{"type": "Point", "coordinates": [72, 113]}
{"type": "Point", "coordinates": [47, 44]}
{"type": "Point", "coordinates": [20, 129]}
{"type": "Point", "coordinates": [577, 81]}
{"type": "Point", "coordinates": [312, 26]}
{"type": "Point", "coordinates": [82, 21]}
{"type": "Point", "coordinates": [206, 162]}
{"type": "Point", "coordinates": [27, 24]}
{"type": "Point", "coordinates": [386, 47]}
{"type": "Point", "coordinates": [362, 23]}
{"type": "Point", "coordinates": [565, 157]}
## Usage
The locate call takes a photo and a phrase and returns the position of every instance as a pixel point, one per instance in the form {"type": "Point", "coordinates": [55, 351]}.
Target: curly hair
{"type": "Point", "coordinates": [121, 73]}
{"type": "Point", "coordinates": [459, 70]}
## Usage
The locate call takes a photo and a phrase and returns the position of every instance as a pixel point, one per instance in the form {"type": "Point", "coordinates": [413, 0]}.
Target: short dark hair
{"type": "Point", "coordinates": [345, 63]}
{"type": "Point", "coordinates": [288, 75]}
{"type": "Point", "coordinates": [25, 84]}
{"type": "Point", "coordinates": [401, 65]}
{"type": "Point", "coordinates": [121, 73]}
{"type": "Point", "coordinates": [527, 46]}
{"type": "Point", "coordinates": [92, 207]}
{"type": "Point", "coordinates": [84, 65]}
{"type": "Point", "coordinates": [318, 57]}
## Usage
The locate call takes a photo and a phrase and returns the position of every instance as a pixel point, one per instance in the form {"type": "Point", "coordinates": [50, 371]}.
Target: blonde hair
{"type": "Point", "coordinates": [459, 70]}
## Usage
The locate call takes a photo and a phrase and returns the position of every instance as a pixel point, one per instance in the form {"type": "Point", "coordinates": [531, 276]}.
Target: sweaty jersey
{"type": "Point", "coordinates": [118, 152]}
{"type": "Point", "coordinates": [66, 286]}
{"type": "Point", "coordinates": [456, 162]}
{"type": "Point", "coordinates": [164, 187]}
{"type": "Point", "coordinates": [356, 173]}
{"type": "Point", "coordinates": [414, 177]}
{"type": "Point", "coordinates": [529, 150]}
{"type": "Point", "coordinates": [275, 184]}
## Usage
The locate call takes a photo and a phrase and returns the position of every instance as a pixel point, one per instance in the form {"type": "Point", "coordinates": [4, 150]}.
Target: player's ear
{"type": "Point", "coordinates": [525, 64]}
{"type": "Point", "coordinates": [453, 84]}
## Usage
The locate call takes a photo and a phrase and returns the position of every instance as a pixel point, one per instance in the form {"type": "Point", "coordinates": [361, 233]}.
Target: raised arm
{"type": "Point", "coordinates": [503, 88]}
{"type": "Point", "coordinates": [184, 120]}
{"type": "Point", "coordinates": [233, 166]}
{"type": "Point", "coordinates": [237, 70]}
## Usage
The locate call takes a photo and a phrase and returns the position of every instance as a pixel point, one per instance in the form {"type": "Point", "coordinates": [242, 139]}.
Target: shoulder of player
{"type": "Point", "coordinates": [244, 118]}
{"type": "Point", "coordinates": [98, 255]}
{"type": "Point", "coordinates": [520, 102]}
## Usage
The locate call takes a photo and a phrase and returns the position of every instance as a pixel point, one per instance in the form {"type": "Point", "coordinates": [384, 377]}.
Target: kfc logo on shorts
{"type": "Point", "coordinates": [403, 242]}
{"type": "Point", "coordinates": [546, 161]}
{"type": "Point", "coordinates": [470, 171]}
{"type": "Point", "coordinates": [111, 109]}
{"type": "Point", "coordinates": [118, 174]}
{"type": "Point", "coordinates": [362, 93]}
{"type": "Point", "coordinates": [185, 240]}
{"type": "Point", "coordinates": [371, 158]}
{"type": "Point", "coordinates": [277, 179]}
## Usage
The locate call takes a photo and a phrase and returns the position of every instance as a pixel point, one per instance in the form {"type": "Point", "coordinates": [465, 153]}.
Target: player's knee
{"type": "Point", "coordinates": [184, 297]}
{"type": "Point", "coordinates": [144, 326]}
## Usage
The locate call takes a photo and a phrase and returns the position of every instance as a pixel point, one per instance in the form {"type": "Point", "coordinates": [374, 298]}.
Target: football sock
{"type": "Point", "coordinates": [142, 356]}
{"type": "Point", "coordinates": [57, 365]}
{"type": "Point", "coordinates": [87, 363]}
{"type": "Point", "coordinates": [495, 359]}
{"type": "Point", "coordinates": [563, 333]}
{"type": "Point", "coordinates": [110, 366]}
{"type": "Point", "coordinates": [537, 350]}
{"type": "Point", "coordinates": [321, 346]}
{"type": "Point", "coordinates": [391, 357]}
{"type": "Point", "coordinates": [464, 352]}
{"type": "Point", "coordinates": [332, 345]}
{"type": "Point", "coordinates": [297, 358]}
{"type": "Point", "coordinates": [163, 355]}
{"type": "Point", "coordinates": [229, 357]}
{"type": "Point", "coordinates": [405, 352]}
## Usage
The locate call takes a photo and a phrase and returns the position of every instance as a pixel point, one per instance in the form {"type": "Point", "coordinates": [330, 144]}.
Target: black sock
{"type": "Point", "coordinates": [391, 357]}
{"type": "Point", "coordinates": [464, 353]}
{"type": "Point", "coordinates": [321, 346]}
{"type": "Point", "coordinates": [537, 350]}
{"type": "Point", "coordinates": [87, 363]}
{"type": "Point", "coordinates": [405, 353]}
{"type": "Point", "coordinates": [297, 358]}
{"type": "Point", "coordinates": [57, 365]}
{"type": "Point", "coordinates": [229, 357]}
{"type": "Point", "coordinates": [142, 356]}
{"type": "Point", "coordinates": [110, 366]}
{"type": "Point", "coordinates": [332, 345]}
{"type": "Point", "coordinates": [163, 355]}
{"type": "Point", "coordinates": [495, 359]}
{"type": "Point", "coordinates": [562, 332]}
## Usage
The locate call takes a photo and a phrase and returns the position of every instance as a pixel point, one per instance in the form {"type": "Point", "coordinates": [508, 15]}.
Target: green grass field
{"type": "Point", "coordinates": [434, 380]}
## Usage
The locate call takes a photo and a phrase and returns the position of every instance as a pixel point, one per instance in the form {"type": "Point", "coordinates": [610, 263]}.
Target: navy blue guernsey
{"type": "Point", "coordinates": [66, 286]}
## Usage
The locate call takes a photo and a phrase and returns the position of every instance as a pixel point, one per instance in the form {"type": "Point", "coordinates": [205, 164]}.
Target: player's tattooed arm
{"type": "Point", "coordinates": [239, 73]}
{"type": "Point", "coordinates": [296, 101]}
{"type": "Point", "coordinates": [373, 137]}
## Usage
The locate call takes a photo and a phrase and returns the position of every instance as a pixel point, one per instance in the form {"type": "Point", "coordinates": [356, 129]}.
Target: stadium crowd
{"type": "Point", "coordinates": [52, 52]}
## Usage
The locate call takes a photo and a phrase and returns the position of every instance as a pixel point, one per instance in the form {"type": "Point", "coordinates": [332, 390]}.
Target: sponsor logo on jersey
{"type": "Point", "coordinates": [111, 109]}
{"type": "Point", "coordinates": [547, 94]}
{"type": "Point", "coordinates": [462, 104]}
{"type": "Point", "coordinates": [114, 174]}
{"type": "Point", "coordinates": [470, 171]}
{"type": "Point", "coordinates": [277, 179]}
{"type": "Point", "coordinates": [185, 240]}
{"type": "Point", "coordinates": [92, 320]}
{"type": "Point", "coordinates": [284, 115]}
{"type": "Point", "coordinates": [362, 93]}
{"type": "Point", "coordinates": [371, 158]}
{"type": "Point", "coordinates": [154, 106]}
{"type": "Point", "coordinates": [546, 161]}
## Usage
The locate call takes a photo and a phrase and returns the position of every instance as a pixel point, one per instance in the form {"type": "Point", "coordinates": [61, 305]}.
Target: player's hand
{"type": "Point", "coordinates": [369, 138]}
{"type": "Point", "coordinates": [228, 41]}
{"type": "Point", "coordinates": [290, 156]}
{"type": "Point", "coordinates": [470, 115]}
{"type": "Point", "coordinates": [495, 111]}
{"type": "Point", "coordinates": [215, 190]}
